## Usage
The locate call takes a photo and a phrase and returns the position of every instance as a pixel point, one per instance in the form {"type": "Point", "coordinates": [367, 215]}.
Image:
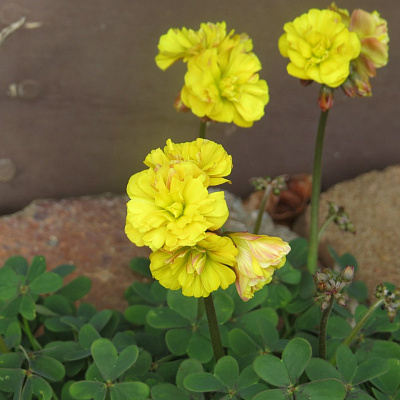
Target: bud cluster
{"type": "Point", "coordinates": [340, 218]}
{"type": "Point", "coordinates": [277, 184]}
{"type": "Point", "coordinates": [330, 285]}
{"type": "Point", "coordinates": [391, 300]}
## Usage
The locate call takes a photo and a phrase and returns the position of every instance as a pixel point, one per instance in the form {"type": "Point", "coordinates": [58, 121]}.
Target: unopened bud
{"type": "Point", "coordinates": [341, 299]}
{"type": "Point", "coordinates": [306, 82]}
{"type": "Point", "coordinates": [347, 274]}
{"type": "Point", "coordinates": [179, 105]}
{"type": "Point", "coordinates": [325, 99]}
{"type": "Point", "coordinates": [349, 87]}
{"type": "Point", "coordinates": [321, 286]}
{"type": "Point", "coordinates": [380, 291]}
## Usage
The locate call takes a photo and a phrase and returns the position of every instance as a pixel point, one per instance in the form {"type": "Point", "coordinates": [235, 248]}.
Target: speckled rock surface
{"type": "Point", "coordinates": [372, 201]}
{"type": "Point", "coordinates": [89, 233]}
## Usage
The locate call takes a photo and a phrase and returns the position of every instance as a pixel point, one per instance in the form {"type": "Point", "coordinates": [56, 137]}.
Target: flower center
{"type": "Point", "coordinates": [228, 88]}
{"type": "Point", "coordinates": [176, 209]}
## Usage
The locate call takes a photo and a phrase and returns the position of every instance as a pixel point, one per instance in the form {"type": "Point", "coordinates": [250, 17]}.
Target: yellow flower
{"type": "Point", "coordinates": [225, 87]}
{"type": "Point", "coordinates": [210, 157]}
{"type": "Point", "coordinates": [172, 208]}
{"type": "Point", "coordinates": [198, 270]}
{"type": "Point", "coordinates": [319, 47]}
{"type": "Point", "coordinates": [258, 258]}
{"type": "Point", "coordinates": [185, 43]}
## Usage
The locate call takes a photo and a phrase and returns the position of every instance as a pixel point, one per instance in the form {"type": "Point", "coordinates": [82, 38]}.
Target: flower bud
{"type": "Point", "coordinates": [347, 274]}
{"type": "Point", "coordinates": [178, 104]}
{"type": "Point", "coordinates": [325, 99]}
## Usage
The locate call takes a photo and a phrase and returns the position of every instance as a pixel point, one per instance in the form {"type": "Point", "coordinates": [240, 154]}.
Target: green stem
{"type": "Point", "coordinates": [324, 226]}
{"type": "Point", "coordinates": [316, 189]}
{"type": "Point", "coordinates": [34, 343]}
{"type": "Point", "coordinates": [261, 210]}
{"type": "Point", "coordinates": [203, 127]}
{"type": "Point", "coordinates": [322, 328]}
{"type": "Point", "coordinates": [3, 346]}
{"type": "Point", "coordinates": [362, 321]}
{"type": "Point", "coordinates": [214, 328]}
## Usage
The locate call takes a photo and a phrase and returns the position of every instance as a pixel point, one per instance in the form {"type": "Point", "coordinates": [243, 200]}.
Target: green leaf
{"type": "Point", "coordinates": [48, 367]}
{"type": "Point", "coordinates": [143, 291]}
{"type": "Point", "coordinates": [167, 391]}
{"type": "Point", "coordinates": [346, 362]}
{"type": "Point", "coordinates": [200, 348]}
{"type": "Point", "coordinates": [227, 370]}
{"type": "Point", "coordinates": [48, 282]}
{"type": "Point", "coordinates": [274, 394]}
{"type": "Point", "coordinates": [380, 396]}
{"type": "Point", "coordinates": [46, 312]}
{"type": "Point", "coordinates": [27, 307]}
{"type": "Point", "coordinates": [224, 306]}
{"type": "Point", "coordinates": [19, 264]}
{"type": "Point", "coordinates": [327, 389]}
{"type": "Point", "coordinates": [125, 360]}
{"type": "Point", "coordinates": [289, 275]}
{"type": "Point", "coordinates": [178, 340]}
{"type": "Point", "coordinates": [10, 360]}
{"type": "Point", "coordinates": [86, 390]}
{"type": "Point", "coordinates": [358, 290]}
{"type": "Point", "coordinates": [76, 289]}
{"type": "Point", "coordinates": [11, 308]}
{"type": "Point", "coordinates": [165, 318]}
{"type": "Point", "coordinates": [105, 356]}
{"type": "Point", "coordinates": [11, 380]}
{"type": "Point", "coordinates": [65, 395]}
{"type": "Point", "coordinates": [123, 339]}
{"type": "Point", "coordinates": [203, 382]}
{"type": "Point", "coordinates": [310, 319]}
{"type": "Point", "coordinates": [87, 335]}
{"type": "Point", "coordinates": [344, 260]}
{"type": "Point", "coordinates": [356, 394]}
{"type": "Point", "coordinates": [185, 306]}
{"type": "Point", "coordinates": [250, 320]}
{"type": "Point", "coordinates": [58, 304]}
{"type": "Point", "coordinates": [37, 268]}
{"type": "Point", "coordinates": [129, 390]}
{"type": "Point", "coordinates": [41, 388]}
{"type": "Point", "coordinates": [338, 327]}
{"type": "Point", "coordinates": [100, 319]}
{"type": "Point", "coordinates": [8, 278]}
{"type": "Point", "coordinates": [298, 254]}
{"type": "Point", "coordinates": [389, 382]}
{"type": "Point", "coordinates": [241, 343]}
{"type": "Point", "coordinates": [137, 313]}
{"type": "Point", "coordinates": [295, 357]}
{"type": "Point", "coordinates": [186, 368]}
{"type": "Point", "coordinates": [141, 265]}
{"type": "Point", "coordinates": [272, 370]}
{"type": "Point", "coordinates": [321, 369]}
{"type": "Point", "coordinates": [243, 307]}
{"type": "Point", "coordinates": [369, 369]}
{"type": "Point", "coordinates": [279, 296]}
{"type": "Point", "coordinates": [64, 270]}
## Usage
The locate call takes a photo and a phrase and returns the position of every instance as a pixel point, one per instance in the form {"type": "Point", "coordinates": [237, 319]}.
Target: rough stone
{"type": "Point", "coordinates": [89, 233]}
{"type": "Point", "coordinates": [372, 201]}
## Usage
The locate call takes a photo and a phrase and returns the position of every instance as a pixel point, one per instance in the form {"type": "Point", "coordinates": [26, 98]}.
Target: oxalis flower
{"type": "Point", "coordinates": [225, 87]}
{"type": "Point", "coordinates": [257, 259]}
{"type": "Point", "coordinates": [372, 31]}
{"type": "Point", "coordinates": [197, 270]}
{"type": "Point", "coordinates": [210, 157]}
{"type": "Point", "coordinates": [186, 43]}
{"type": "Point", "coordinates": [171, 207]}
{"type": "Point", "coordinates": [319, 47]}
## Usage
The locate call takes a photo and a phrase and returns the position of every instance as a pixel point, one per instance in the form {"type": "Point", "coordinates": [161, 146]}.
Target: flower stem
{"type": "Point", "coordinates": [3, 346]}
{"type": "Point", "coordinates": [203, 127]}
{"type": "Point", "coordinates": [261, 209]}
{"type": "Point", "coordinates": [322, 329]}
{"type": "Point", "coordinates": [316, 189]}
{"type": "Point", "coordinates": [213, 326]}
{"type": "Point", "coordinates": [362, 322]}
{"type": "Point", "coordinates": [34, 343]}
{"type": "Point", "coordinates": [324, 226]}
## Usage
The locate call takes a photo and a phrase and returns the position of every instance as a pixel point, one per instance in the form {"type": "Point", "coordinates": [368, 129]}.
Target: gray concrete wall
{"type": "Point", "coordinates": [98, 104]}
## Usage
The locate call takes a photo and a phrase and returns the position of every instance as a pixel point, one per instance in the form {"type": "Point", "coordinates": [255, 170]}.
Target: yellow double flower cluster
{"type": "Point", "coordinates": [333, 47]}
{"type": "Point", "coordinates": [172, 212]}
{"type": "Point", "coordinates": [222, 81]}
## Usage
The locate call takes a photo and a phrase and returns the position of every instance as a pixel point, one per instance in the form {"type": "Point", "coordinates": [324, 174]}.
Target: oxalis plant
{"type": "Point", "coordinates": [218, 314]}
